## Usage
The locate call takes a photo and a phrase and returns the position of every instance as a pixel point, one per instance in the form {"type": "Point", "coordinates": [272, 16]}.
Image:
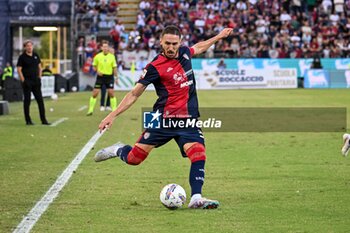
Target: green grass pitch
{"type": "Point", "coordinates": [265, 182]}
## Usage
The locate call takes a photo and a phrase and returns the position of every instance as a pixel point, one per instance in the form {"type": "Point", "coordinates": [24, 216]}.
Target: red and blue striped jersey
{"type": "Point", "coordinates": [175, 84]}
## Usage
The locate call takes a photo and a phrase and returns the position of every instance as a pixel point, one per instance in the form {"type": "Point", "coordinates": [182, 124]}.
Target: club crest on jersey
{"type": "Point", "coordinates": [146, 135]}
{"type": "Point", "coordinates": [178, 77]}
{"type": "Point", "coordinates": [186, 56]}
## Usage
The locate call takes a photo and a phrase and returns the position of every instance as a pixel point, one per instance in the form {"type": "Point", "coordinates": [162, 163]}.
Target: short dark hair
{"type": "Point", "coordinates": [104, 42]}
{"type": "Point", "coordinates": [171, 29]}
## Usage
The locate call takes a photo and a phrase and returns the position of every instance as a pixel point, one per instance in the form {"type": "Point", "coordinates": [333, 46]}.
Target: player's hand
{"type": "Point", "coordinates": [225, 32]}
{"type": "Point", "coordinates": [116, 81]}
{"type": "Point", "coordinates": [99, 73]}
{"type": "Point", "coordinates": [106, 123]}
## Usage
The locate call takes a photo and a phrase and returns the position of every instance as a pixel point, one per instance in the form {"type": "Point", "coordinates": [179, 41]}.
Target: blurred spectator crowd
{"type": "Point", "coordinates": [262, 28]}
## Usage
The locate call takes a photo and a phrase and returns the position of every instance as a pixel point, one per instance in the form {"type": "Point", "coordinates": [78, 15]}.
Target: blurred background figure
{"type": "Point", "coordinates": [8, 73]}
{"type": "Point", "coordinates": [46, 71]}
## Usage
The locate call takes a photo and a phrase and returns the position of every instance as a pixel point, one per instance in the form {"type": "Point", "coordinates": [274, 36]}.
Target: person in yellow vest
{"type": "Point", "coordinates": [46, 71]}
{"type": "Point", "coordinates": [7, 72]}
{"type": "Point", "coordinates": [105, 65]}
{"type": "Point", "coordinates": [105, 105]}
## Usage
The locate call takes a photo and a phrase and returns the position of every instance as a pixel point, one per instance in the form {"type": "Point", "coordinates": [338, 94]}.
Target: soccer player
{"type": "Point", "coordinates": [106, 66]}
{"type": "Point", "coordinates": [172, 76]}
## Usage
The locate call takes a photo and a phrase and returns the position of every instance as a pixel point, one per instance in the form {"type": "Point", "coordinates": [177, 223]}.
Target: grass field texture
{"type": "Point", "coordinates": [265, 182]}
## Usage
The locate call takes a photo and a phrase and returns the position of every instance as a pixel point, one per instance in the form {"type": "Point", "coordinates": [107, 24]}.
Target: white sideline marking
{"type": "Point", "coordinates": [41, 206]}
{"type": "Point", "coordinates": [82, 108]}
{"type": "Point", "coordinates": [59, 121]}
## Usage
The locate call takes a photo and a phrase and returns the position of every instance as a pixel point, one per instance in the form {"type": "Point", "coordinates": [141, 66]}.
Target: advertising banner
{"type": "Point", "coordinates": [327, 79]}
{"type": "Point", "coordinates": [47, 86]}
{"type": "Point", "coordinates": [258, 73]}
{"type": "Point", "coordinates": [5, 34]}
{"type": "Point", "coordinates": [247, 74]}
{"type": "Point", "coordinates": [339, 78]}
{"type": "Point", "coordinates": [225, 79]}
{"type": "Point", "coordinates": [316, 79]}
{"type": "Point", "coordinates": [5, 48]}
{"type": "Point", "coordinates": [40, 11]}
{"type": "Point", "coordinates": [301, 65]}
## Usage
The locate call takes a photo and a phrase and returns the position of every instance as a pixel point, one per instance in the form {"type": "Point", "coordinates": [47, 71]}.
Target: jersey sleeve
{"type": "Point", "coordinates": [191, 51]}
{"type": "Point", "coordinates": [149, 75]}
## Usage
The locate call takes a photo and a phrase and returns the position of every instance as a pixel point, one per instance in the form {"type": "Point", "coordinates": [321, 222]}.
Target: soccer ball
{"type": "Point", "coordinates": [173, 196]}
{"type": "Point", "coordinates": [54, 96]}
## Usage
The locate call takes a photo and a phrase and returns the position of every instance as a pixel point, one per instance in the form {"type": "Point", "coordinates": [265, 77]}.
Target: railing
{"type": "Point", "coordinates": [57, 66]}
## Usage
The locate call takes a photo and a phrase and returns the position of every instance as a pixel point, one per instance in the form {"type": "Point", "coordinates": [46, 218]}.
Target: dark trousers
{"type": "Point", "coordinates": [28, 88]}
{"type": "Point", "coordinates": [103, 97]}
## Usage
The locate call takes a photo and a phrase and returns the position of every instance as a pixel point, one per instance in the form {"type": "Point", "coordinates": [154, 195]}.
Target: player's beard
{"type": "Point", "coordinates": [169, 55]}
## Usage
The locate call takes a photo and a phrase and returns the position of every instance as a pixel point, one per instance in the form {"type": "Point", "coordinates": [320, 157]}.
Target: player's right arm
{"type": "Point", "coordinates": [150, 75]}
{"type": "Point", "coordinates": [95, 65]}
{"type": "Point", "coordinates": [128, 100]}
{"type": "Point", "coordinates": [19, 71]}
{"type": "Point", "coordinates": [203, 46]}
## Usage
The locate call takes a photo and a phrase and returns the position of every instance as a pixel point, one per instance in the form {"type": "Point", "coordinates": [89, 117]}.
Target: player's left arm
{"type": "Point", "coordinates": [203, 46]}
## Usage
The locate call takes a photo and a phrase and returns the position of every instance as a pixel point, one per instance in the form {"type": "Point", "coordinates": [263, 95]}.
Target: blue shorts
{"type": "Point", "coordinates": [159, 137]}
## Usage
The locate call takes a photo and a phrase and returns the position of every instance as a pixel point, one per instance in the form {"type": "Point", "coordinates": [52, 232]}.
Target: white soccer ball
{"type": "Point", "coordinates": [54, 96]}
{"type": "Point", "coordinates": [173, 196]}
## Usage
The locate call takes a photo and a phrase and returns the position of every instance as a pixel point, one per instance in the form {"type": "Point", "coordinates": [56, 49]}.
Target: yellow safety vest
{"type": "Point", "coordinates": [7, 73]}
{"type": "Point", "coordinates": [105, 63]}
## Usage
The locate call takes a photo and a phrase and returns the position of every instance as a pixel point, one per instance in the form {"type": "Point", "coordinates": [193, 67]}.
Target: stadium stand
{"type": "Point", "coordinates": [262, 28]}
